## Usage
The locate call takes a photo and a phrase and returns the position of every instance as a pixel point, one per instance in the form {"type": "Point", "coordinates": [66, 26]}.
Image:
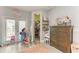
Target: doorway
{"type": "Point", "coordinates": [37, 27]}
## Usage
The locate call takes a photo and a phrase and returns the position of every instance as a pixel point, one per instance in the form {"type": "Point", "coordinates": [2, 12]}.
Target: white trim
{"type": "Point", "coordinates": [37, 12]}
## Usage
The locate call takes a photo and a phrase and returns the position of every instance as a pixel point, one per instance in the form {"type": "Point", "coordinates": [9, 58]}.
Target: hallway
{"type": "Point", "coordinates": [38, 48]}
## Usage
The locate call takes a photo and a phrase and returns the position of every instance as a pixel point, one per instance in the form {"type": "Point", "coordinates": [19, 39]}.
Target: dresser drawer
{"type": "Point", "coordinates": [64, 47]}
{"type": "Point", "coordinates": [61, 37]}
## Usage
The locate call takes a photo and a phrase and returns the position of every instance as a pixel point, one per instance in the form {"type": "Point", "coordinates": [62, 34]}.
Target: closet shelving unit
{"type": "Point", "coordinates": [45, 28]}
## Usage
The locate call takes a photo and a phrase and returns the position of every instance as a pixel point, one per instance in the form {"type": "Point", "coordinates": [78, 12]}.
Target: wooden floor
{"type": "Point", "coordinates": [34, 48]}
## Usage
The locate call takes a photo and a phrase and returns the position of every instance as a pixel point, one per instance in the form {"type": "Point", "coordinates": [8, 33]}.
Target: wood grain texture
{"type": "Point", "coordinates": [61, 37]}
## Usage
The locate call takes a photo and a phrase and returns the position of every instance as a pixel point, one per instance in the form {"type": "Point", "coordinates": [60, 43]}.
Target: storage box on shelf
{"type": "Point", "coordinates": [45, 26]}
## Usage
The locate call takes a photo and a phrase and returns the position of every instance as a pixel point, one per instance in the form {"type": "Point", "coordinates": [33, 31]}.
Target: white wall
{"type": "Point", "coordinates": [72, 12]}
{"type": "Point", "coordinates": [1, 13]}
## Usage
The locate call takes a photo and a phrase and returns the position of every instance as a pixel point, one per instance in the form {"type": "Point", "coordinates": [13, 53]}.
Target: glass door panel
{"type": "Point", "coordinates": [10, 29]}
{"type": "Point", "coordinates": [21, 26]}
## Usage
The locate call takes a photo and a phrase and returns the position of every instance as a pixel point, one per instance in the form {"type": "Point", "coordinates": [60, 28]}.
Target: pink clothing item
{"type": "Point", "coordinates": [13, 38]}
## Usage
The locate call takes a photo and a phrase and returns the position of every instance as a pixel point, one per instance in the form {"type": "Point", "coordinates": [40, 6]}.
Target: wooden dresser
{"type": "Point", "coordinates": [61, 37]}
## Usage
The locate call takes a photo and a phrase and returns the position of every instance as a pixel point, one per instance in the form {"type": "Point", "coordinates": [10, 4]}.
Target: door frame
{"type": "Point", "coordinates": [32, 29]}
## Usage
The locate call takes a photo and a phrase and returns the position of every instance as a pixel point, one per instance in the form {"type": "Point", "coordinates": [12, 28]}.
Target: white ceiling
{"type": "Point", "coordinates": [33, 8]}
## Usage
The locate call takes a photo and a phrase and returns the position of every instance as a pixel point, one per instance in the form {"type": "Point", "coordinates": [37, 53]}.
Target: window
{"type": "Point", "coordinates": [21, 26]}
{"type": "Point", "coordinates": [10, 29]}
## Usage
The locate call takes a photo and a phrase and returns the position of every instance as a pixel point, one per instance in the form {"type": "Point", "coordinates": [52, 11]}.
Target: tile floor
{"type": "Point", "coordinates": [35, 48]}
